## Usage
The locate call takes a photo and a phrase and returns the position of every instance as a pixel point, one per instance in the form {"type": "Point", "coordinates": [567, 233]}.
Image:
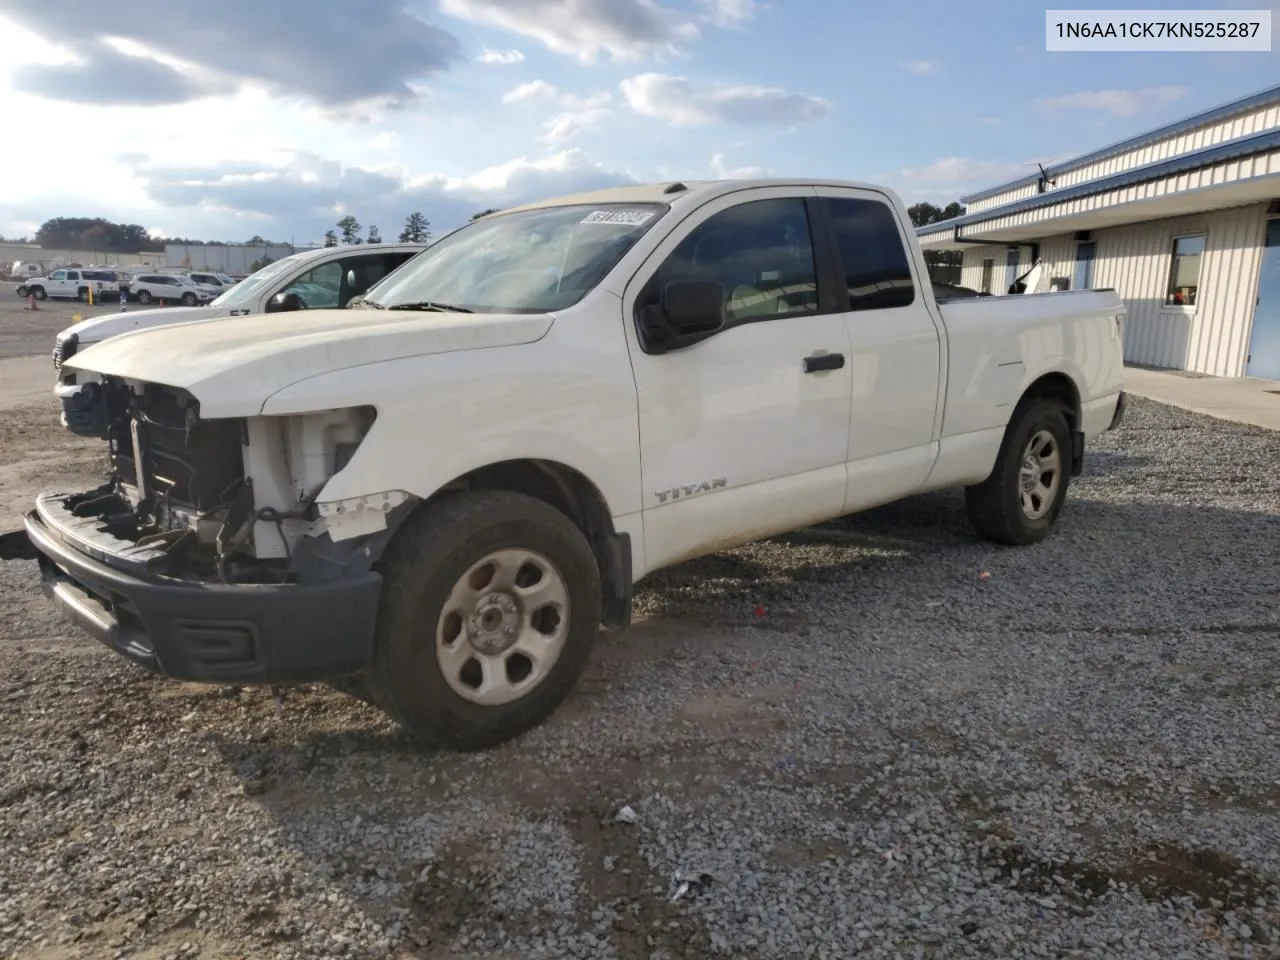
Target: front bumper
{"type": "Point", "coordinates": [197, 631]}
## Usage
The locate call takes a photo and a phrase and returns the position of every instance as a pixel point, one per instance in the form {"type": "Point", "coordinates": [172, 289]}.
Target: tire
{"type": "Point", "coordinates": [22, 291]}
{"type": "Point", "coordinates": [997, 507]}
{"type": "Point", "coordinates": [38, 293]}
{"type": "Point", "coordinates": [83, 294]}
{"type": "Point", "coordinates": [189, 299]}
{"type": "Point", "coordinates": [463, 538]}
{"type": "Point", "coordinates": [144, 296]}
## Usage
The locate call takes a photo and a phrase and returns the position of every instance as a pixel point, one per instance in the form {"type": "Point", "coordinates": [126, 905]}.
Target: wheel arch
{"type": "Point", "coordinates": [1057, 385]}
{"type": "Point", "coordinates": [573, 494]}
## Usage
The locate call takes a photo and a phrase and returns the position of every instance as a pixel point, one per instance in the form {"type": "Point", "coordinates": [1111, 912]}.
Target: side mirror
{"type": "Point", "coordinates": [694, 308]}
{"type": "Point", "coordinates": [284, 303]}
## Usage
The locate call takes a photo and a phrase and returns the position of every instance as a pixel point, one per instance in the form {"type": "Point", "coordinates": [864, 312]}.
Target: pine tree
{"type": "Point", "coordinates": [417, 229]}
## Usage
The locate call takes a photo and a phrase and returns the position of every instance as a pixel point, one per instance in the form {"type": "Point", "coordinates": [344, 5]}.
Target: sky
{"type": "Point", "coordinates": [223, 119]}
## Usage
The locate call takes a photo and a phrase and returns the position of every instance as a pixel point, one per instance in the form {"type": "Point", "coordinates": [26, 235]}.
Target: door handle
{"type": "Point", "coordinates": [823, 361]}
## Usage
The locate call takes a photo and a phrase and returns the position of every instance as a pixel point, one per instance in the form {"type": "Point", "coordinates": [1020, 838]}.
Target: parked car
{"type": "Point", "coordinates": [328, 277]}
{"type": "Point", "coordinates": [149, 287]}
{"type": "Point", "coordinates": [448, 489]}
{"type": "Point", "coordinates": [72, 284]}
{"type": "Point", "coordinates": [215, 281]}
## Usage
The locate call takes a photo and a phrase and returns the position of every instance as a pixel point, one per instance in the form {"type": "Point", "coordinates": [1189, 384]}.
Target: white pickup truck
{"type": "Point", "coordinates": [446, 490]}
{"type": "Point", "coordinates": [313, 279]}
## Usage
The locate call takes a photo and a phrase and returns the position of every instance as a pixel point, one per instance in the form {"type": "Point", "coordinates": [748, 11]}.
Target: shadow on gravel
{"type": "Point", "coordinates": [907, 557]}
{"type": "Point", "coordinates": [1157, 872]}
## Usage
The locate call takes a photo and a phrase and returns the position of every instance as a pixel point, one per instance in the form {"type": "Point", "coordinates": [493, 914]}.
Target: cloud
{"type": "Point", "coordinates": [347, 55]}
{"type": "Point", "coordinates": [385, 140]}
{"type": "Point", "coordinates": [585, 29]}
{"type": "Point", "coordinates": [921, 67]}
{"type": "Point", "coordinates": [578, 113]}
{"type": "Point", "coordinates": [951, 177]}
{"type": "Point", "coordinates": [1119, 103]}
{"type": "Point", "coordinates": [730, 13]}
{"type": "Point", "coordinates": [304, 194]}
{"type": "Point", "coordinates": [103, 75]}
{"type": "Point", "coordinates": [673, 99]}
{"type": "Point", "coordinates": [723, 171]}
{"type": "Point", "coordinates": [533, 90]}
{"type": "Point", "coordinates": [564, 126]}
{"type": "Point", "coordinates": [500, 57]}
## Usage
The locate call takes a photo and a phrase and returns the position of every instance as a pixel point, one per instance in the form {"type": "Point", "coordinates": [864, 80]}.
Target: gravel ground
{"type": "Point", "coordinates": [877, 737]}
{"type": "Point", "coordinates": [26, 333]}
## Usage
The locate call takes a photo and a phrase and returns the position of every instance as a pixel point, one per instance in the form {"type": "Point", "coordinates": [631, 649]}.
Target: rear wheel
{"type": "Point", "coordinates": [22, 291]}
{"type": "Point", "coordinates": [1020, 502]}
{"type": "Point", "coordinates": [491, 605]}
{"type": "Point", "coordinates": [144, 296]}
{"type": "Point", "coordinates": [83, 294]}
{"type": "Point", "coordinates": [38, 293]}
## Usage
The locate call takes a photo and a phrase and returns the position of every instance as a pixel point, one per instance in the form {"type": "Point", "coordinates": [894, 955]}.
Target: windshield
{"type": "Point", "coordinates": [533, 261]}
{"type": "Point", "coordinates": [246, 292]}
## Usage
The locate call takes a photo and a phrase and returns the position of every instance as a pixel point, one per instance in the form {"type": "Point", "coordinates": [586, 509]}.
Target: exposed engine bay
{"type": "Point", "coordinates": [225, 501]}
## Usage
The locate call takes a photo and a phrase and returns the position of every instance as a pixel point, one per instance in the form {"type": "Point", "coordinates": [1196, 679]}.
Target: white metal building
{"type": "Point", "coordinates": [1182, 221]}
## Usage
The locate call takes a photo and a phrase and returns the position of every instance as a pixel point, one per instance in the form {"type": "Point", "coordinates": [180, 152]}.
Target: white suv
{"type": "Point", "coordinates": [215, 281]}
{"type": "Point", "coordinates": [168, 287]}
{"type": "Point", "coordinates": [73, 284]}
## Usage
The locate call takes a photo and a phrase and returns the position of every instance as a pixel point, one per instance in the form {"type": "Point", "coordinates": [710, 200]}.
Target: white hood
{"type": "Point", "coordinates": [233, 365]}
{"type": "Point", "coordinates": [109, 325]}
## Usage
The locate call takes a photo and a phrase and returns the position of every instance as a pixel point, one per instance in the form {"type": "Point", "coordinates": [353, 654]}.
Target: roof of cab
{"type": "Point", "coordinates": [669, 191]}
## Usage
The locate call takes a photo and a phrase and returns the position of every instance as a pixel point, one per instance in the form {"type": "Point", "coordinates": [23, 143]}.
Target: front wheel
{"type": "Point", "coordinates": [144, 297]}
{"type": "Point", "coordinates": [38, 293]}
{"type": "Point", "coordinates": [491, 605]}
{"type": "Point", "coordinates": [189, 299]}
{"type": "Point", "coordinates": [1020, 502]}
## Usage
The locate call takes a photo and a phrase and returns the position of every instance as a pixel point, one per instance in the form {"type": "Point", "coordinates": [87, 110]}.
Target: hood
{"type": "Point", "coordinates": [113, 324]}
{"type": "Point", "coordinates": [234, 364]}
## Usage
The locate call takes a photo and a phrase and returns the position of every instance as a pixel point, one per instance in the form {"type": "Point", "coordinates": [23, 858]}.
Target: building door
{"type": "Point", "coordinates": [1264, 345]}
{"type": "Point", "coordinates": [1010, 269]}
{"type": "Point", "coordinates": [1084, 265]}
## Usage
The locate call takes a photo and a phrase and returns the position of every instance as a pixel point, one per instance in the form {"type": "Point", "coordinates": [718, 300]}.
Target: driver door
{"type": "Point", "coordinates": [742, 435]}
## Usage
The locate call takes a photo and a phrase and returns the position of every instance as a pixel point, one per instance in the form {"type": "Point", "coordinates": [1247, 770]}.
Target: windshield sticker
{"type": "Point", "coordinates": [630, 218]}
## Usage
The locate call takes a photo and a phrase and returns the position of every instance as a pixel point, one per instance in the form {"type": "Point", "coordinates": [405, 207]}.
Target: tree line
{"type": "Point", "coordinates": [104, 236]}
{"type": "Point", "coordinates": [417, 229]}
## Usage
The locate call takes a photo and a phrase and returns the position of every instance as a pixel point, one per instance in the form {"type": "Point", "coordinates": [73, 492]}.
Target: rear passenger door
{"type": "Point", "coordinates": [895, 359]}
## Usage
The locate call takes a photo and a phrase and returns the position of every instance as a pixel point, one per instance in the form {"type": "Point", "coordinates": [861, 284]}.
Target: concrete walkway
{"type": "Point", "coordinates": [1242, 399]}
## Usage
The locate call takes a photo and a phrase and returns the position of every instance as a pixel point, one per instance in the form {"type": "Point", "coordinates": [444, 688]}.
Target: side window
{"type": "Point", "coordinates": [73, 275]}
{"type": "Point", "coordinates": [363, 272]}
{"type": "Point", "coordinates": [877, 271]}
{"type": "Point", "coordinates": [319, 287]}
{"type": "Point", "coordinates": [760, 251]}
{"type": "Point", "coordinates": [58, 275]}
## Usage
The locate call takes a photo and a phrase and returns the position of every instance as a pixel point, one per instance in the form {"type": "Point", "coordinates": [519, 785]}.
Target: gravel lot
{"type": "Point", "coordinates": [25, 333]}
{"type": "Point", "coordinates": [879, 736]}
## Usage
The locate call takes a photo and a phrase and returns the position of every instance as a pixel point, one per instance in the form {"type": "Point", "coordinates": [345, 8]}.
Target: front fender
{"type": "Point", "coordinates": [442, 416]}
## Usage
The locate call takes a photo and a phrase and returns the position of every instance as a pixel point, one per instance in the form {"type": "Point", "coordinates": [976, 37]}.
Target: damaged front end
{"type": "Point", "coordinates": [205, 556]}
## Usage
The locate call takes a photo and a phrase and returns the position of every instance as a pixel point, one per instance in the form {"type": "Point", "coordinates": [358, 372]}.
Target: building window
{"type": "Point", "coordinates": [988, 268]}
{"type": "Point", "coordinates": [1085, 253]}
{"type": "Point", "coordinates": [1010, 270]}
{"type": "Point", "coordinates": [1184, 271]}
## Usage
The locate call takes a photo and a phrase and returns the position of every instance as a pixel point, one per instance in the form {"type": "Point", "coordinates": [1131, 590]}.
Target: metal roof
{"type": "Point", "coordinates": [1232, 149]}
{"type": "Point", "coordinates": [1212, 115]}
